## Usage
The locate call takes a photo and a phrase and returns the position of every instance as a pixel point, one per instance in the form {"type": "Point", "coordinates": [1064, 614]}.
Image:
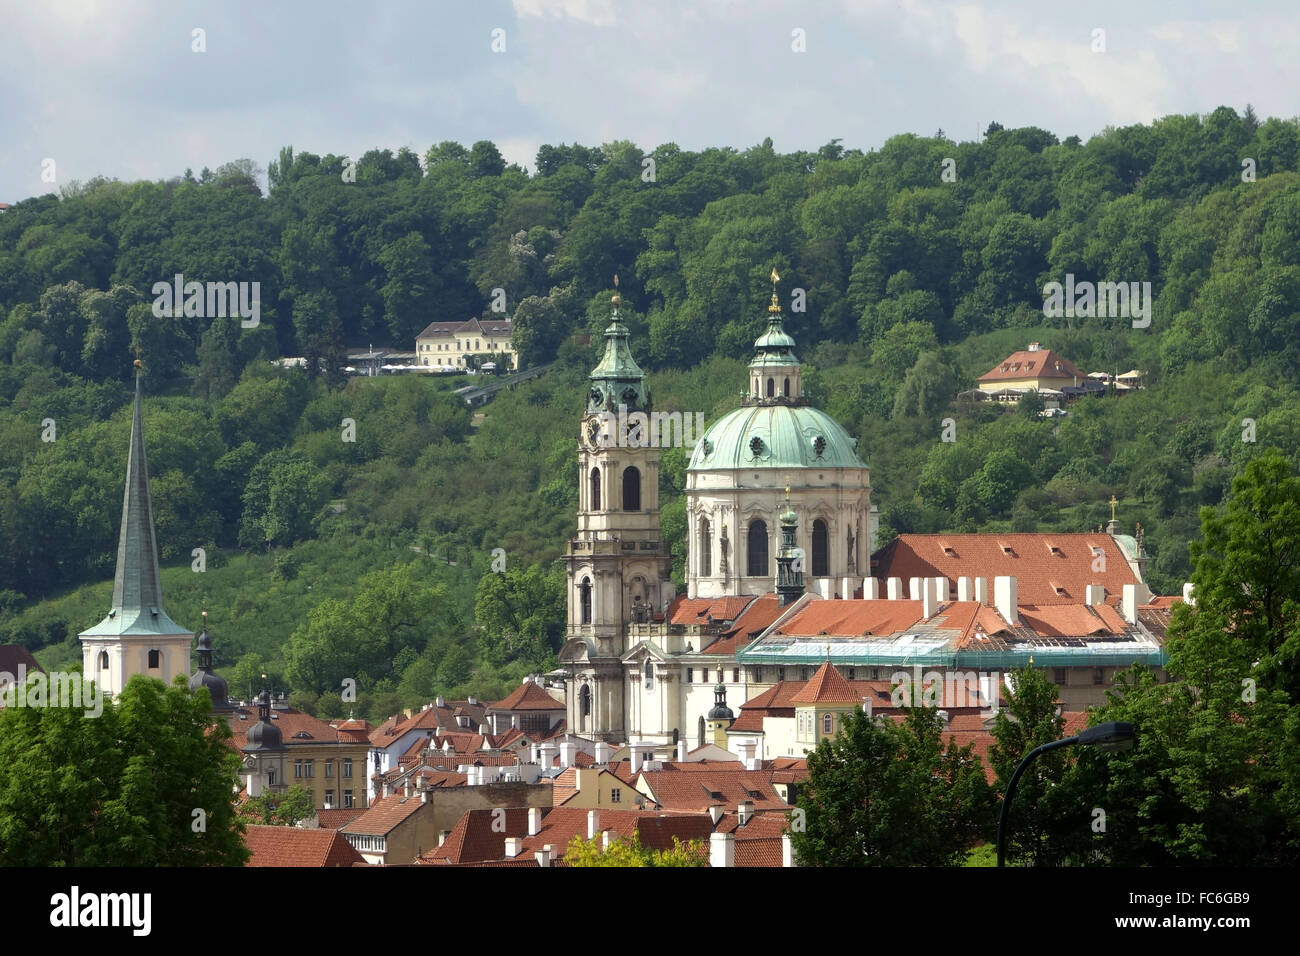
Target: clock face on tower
{"type": "Point", "coordinates": [591, 431]}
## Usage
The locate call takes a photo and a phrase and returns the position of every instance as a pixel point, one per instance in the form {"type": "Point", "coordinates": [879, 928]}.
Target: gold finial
{"type": "Point", "coordinates": [205, 616]}
{"type": "Point", "coordinates": [1031, 660]}
{"type": "Point", "coordinates": [1113, 502]}
{"type": "Point", "coordinates": [138, 363]}
{"type": "Point", "coordinates": [617, 300]}
{"type": "Point", "coordinates": [775, 307]}
{"type": "Point", "coordinates": [787, 489]}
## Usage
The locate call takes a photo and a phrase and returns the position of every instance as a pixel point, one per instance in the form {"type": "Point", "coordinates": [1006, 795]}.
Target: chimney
{"type": "Point", "coordinates": [543, 856]}
{"type": "Point", "coordinates": [606, 838]}
{"type": "Point", "coordinates": [914, 586]}
{"type": "Point", "coordinates": [681, 751]}
{"type": "Point", "coordinates": [787, 850]}
{"type": "Point", "coordinates": [847, 587]}
{"type": "Point", "coordinates": [568, 753]}
{"type": "Point", "coordinates": [965, 592]}
{"type": "Point", "coordinates": [1005, 595]}
{"type": "Point", "coordinates": [638, 755]}
{"type": "Point", "coordinates": [593, 824]}
{"type": "Point", "coordinates": [941, 589]}
{"type": "Point", "coordinates": [388, 788]}
{"type": "Point", "coordinates": [894, 589]}
{"type": "Point", "coordinates": [823, 587]}
{"type": "Point", "coordinates": [534, 821]}
{"type": "Point", "coordinates": [1134, 595]}
{"type": "Point", "coordinates": [604, 753]}
{"type": "Point", "coordinates": [870, 589]}
{"type": "Point", "coordinates": [982, 590]}
{"type": "Point", "coordinates": [747, 748]}
{"type": "Point", "coordinates": [722, 850]}
{"type": "Point", "coordinates": [1095, 594]}
{"type": "Point", "coordinates": [744, 811]}
{"type": "Point", "coordinates": [424, 795]}
{"type": "Point", "coordinates": [442, 837]}
{"type": "Point", "coordinates": [473, 702]}
{"type": "Point", "coordinates": [1189, 597]}
{"type": "Point", "coordinates": [715, 812]}
{"type": "Point", "coordinates": [546, 755]}
{"type": "Point", "coordinates": [441, 702]}
{"type": "Point", "coordinates": [513, 846]}
{"type": "Point", "coordinates": [407, 788]}
{"type": "Point", "coordinates": [929, 606]}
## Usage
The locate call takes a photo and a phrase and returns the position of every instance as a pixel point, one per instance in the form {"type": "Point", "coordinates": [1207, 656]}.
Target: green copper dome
{"type": "Point", "coordinates": [776, 436]}
{"type": "Point", "coordinates": [617, 380]}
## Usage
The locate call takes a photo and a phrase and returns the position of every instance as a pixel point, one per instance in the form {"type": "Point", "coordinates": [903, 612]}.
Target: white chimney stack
{"type": "Point", "coordinates": [1096, 594]}
{"type": "Point", "coordinates": [941, 589]}
{"type": "Point", "coordinates": [914, 586]}
{"type": "Point", "coordinates": [787, 850]}
{"type": "Point", "coordinates": [982, 590]}
{"type": "Point", "coordinates": [823, 588]}
{"type": "Point", "coordinates": [847, 587]}
{"type": "Point", "coordinates": [1135, 595]}
{"type": "Point", "coordinates": [593, 824]}
{"type": "Point", "coordinates": [715, 812]}
{"type": "Point", "coordinates": [870, 589]}
{"type": "Point", "coordinates": [568, 753]}
{"type": "Point", "coordinates": [604, 753]}
{"type": "Point", "coordinates": [1005, 593]}
{"type": "Point", "coordinates": [928, 604]}
{"type": "Point", "coordinates": [513, 846]}
{"type": "Point", "coordinates": [681, 751]}
{"type": "Point", "coordinates": [744, 811]}
{"type": "Point", "coordinates": [543, 856]}
{"type": "Point", "coordinates": [546, 755]}
{"type": "Point", "coordinates": [534, 821]}
{"type": "Point", "coordinates": [894, 589]}
{"type": "Point", "coordinates": [606, 838]}
{"type": "Point", "coordinates": [965, 592]}
{"type": "Point", "coordinates": [722, 850]}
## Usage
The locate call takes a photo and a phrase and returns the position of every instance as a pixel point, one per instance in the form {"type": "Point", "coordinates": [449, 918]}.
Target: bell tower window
{"type": "Point", "coordinates": [820, 549]}
{"type": "Point", "coordinates": [595, 489]}
{"type": "Point", "coordinates": [155, 659]}
{"type": "Point", "coordinates": [103, 660]}
{"type": "Point", "coordinates": [771, 387]}
{"type": "Point", "coordinates": [585, 599]}
{"type": "Point", "coordinates": [631, 489]}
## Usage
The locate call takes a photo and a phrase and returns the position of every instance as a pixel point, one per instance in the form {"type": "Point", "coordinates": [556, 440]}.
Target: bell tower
{"type": "Point", "coordinates": [618, 566]}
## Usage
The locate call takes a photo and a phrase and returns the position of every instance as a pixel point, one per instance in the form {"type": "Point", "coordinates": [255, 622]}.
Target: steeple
{"type": "Point", "coordinates": [137, 586]}
{"type": "Point", "coordinates": [617, 380]}
{"type": "Point", "coordinates": [775, 373]}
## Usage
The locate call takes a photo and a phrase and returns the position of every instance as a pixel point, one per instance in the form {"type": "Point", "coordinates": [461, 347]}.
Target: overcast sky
{"type": "Point", "coordinates": [113, 87]}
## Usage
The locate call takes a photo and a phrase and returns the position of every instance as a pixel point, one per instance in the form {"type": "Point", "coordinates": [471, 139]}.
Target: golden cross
{"type": "Point", "coordinates": [1113, 502]}
{"type": "Point", "coordinates": [615, 280]}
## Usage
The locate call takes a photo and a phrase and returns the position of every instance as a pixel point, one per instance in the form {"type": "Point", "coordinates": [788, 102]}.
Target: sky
{"type": "Point", "coordinates": [117, 88]}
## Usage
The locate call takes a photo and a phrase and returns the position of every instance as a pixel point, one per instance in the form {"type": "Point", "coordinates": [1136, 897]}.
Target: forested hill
{"type": "Point", "coordinates": [906, 272]}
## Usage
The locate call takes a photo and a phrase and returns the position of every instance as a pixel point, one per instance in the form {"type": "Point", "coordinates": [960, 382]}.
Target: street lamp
{"type": "Point", "coordinates": [1115, 735]}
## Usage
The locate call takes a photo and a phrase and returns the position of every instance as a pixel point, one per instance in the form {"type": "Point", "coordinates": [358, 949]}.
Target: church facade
{"type": "Point", "coordinates": [640, 665]}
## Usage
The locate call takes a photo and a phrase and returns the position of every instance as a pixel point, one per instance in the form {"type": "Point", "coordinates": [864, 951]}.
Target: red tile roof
{"type": "Point", "coordinates": [291, 723]}
{"type": "Point", "coordinates": [1030, 559]}
{"type": "Point", "coordinates": [853, 618]}
{"type": "Point", "coordinates": [708, 610]}
{"type": "Point", "coordinates": [827, 686]}
{"type": "Point", "coordinates": [768, 851]}
{"type": "Point", "coordinates": [527, 696]}
{"type": "Point", "coordinates": [753, 621]}
{"type": "Point", "coordinates": [674, 790]}
{"type": "Point", "coordinates": [290, 846]}
{"type": "Point", "coordinates": [1041, 363]}
{"type": "Point", "coordinates": [385, 815]}
{"type": "Point", "coordinates": [333, 819]}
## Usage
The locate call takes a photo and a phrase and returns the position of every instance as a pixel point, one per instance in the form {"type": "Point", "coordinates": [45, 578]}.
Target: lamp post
{"type": "Point", "coordinates": [1115, 735]}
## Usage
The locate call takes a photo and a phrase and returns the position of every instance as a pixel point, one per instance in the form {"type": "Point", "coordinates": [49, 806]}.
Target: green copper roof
{"type": "Point", "coordinates": [776, 436]}
{"type": "Point", "coordinates": [617, 380]}
{"type": "Point", "coordinates": [137, 588]}
{"type": "Point", "coordinates": [775, 346]}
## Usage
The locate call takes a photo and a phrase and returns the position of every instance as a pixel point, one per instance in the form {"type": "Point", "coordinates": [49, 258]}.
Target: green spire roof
{"type": "Point", "coordinates": [137, 586]}
{"type": "Point", "coordinates": [617, 380]}
{"type": "Point", "coordinates": [775, 346]}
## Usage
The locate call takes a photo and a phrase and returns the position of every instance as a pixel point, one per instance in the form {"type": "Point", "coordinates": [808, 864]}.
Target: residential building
{"type": "Point", "coordinates": [454, 344]}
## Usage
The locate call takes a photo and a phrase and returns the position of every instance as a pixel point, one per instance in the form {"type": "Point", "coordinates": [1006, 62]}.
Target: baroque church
{"type": "Point", "coordinates": [633, 653]}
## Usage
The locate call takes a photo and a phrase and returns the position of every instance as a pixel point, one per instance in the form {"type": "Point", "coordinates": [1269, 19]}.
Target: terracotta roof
{"type": "Point", "coordinates": [853, 618]}
{"type": "Point", "coordinates": [385, 815]}
{"type": "Point", "coordinates": [474, 839]}
{"type": "Point", "coordinates": [333, 819]}
{"type": "Point", "coordinates": [752, 622]}
{"type": "Point", "coordinates": [11, 655]}
{"type": "Point", "coordinates": [827, 686]}
{"type": "Point", "coordinates": [1029, 558]}
{"type": "Point", "coordinates": [430, 717]}
{"type": "Point", "coordinates": [291, 724]}
{"type": "Point", "coordinates": [1073, 620]}
{"type": "Point", "coordinates": [1037, 364]}
{"type": "Point", "coordinates": [1165, 602]}
{"type": "Point", "coordinates": [527, 696]}
{"type": "Point", "coordinates": [767, 851]}
{"type": "Point", "coordinates": [708, 610]}
{"type": "Point", "coordinates": [674, 790]}
{"type": "Point", "coordinates": [290, 846]}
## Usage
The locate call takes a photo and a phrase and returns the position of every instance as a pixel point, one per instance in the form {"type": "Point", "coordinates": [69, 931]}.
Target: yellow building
{"type": "Point", "coordinates": [1034, 368]}
{"type": "Point", "coordinates": [592, 788]}
{"type": "Point", "coordinates": [451, 344]}
{"type": "Point", "coordinates": [821, 705]}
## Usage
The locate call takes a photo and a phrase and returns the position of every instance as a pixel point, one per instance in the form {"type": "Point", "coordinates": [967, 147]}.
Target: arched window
{"type": "Point", "coordinates": [649, 675]}
{"type": "Point", "coordinates": [771, 388]}
{"type": "Point", "coordinates": [706, 548]}
{"type": "Point", "coordinates": [584, 590]}
{"type": "Point", "coordinates": [584, 701]}
{"type": "Point", "coordinates": [820, 549]}
{"type": "Point", "coordinates": [155, 659]}
{"type": "Point", "coordinates": [595, 489]}
{"type": "Point", "coordinates": [786, 393]}
{"type": "Point", "coordinates": [756, 548]}
{"type": "Point", "coordinates": [827, 723]}
{"type": "Point", "coordinates": [631, 489]}
{"type": "Point", "coordinates": [701, 732]}
{"type": "Point", "coordinates": [103, 660]}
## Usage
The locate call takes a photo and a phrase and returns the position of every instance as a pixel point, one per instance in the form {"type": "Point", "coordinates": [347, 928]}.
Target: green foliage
{"type": "Point", "coordinates": [631, 853]}
{"type": "Point", "coordinates": [887, 794]}
{"type": "Point", "coordinates": [113, 791]}
{"type": "Point", "coordinates": [280, 809]}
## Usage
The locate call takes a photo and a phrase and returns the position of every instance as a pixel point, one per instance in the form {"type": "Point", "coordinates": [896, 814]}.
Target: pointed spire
{"type": "Point", "coordinates": [617, 380]}
{"type": "Point", "coordinates": [137, 585]}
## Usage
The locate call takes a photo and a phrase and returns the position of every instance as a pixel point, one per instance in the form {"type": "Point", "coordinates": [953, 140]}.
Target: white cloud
{"type": "Point", "coordinates": [599, 13]}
